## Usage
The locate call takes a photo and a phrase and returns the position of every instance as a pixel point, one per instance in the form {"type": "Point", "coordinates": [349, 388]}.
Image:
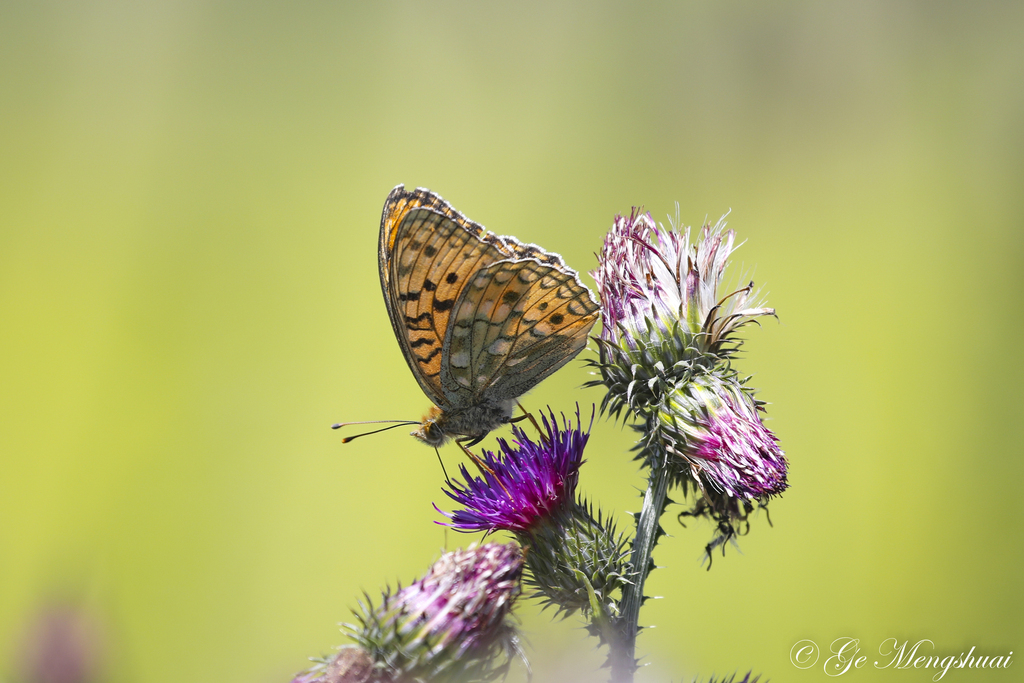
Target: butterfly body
{"type": "Point", "coordinates": [481, 318]}
{"type": "Point", "coordinates": [473, 422]}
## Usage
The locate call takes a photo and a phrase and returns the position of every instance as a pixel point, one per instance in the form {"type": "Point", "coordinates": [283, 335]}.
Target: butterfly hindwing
{"type": "Point", "coordinates": [516, 322]}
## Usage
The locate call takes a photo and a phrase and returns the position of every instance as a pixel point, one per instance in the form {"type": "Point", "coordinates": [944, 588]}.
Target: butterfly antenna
{"type": "Point", "coordinates": [397, 423]}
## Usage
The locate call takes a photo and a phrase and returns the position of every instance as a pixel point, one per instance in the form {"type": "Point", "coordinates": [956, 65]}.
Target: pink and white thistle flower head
{"type": "Point", "coordinates": [669, 333]}
{"type": "Point", "coordinates": [712, 429]}
{"type": "Point", "coordinates": [647, 270]}
{"type": "Point", "coordinates": [663, 308]}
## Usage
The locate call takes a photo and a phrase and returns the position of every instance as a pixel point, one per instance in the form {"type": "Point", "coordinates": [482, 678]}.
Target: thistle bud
{"type": "Point", "coordinates": [711, 428]}
{"type": "Point", "coordinates": [452, 624]}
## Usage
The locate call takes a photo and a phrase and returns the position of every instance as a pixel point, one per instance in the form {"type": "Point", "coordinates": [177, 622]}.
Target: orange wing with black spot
{"type": "Point", "coordinates": [427, 252]}
{"type": "Point", "coordinates": [478, 316]}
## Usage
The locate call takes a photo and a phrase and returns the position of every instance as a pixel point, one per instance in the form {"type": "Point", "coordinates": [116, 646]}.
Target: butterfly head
{"type": "Point", "coordinates": [431, 430]}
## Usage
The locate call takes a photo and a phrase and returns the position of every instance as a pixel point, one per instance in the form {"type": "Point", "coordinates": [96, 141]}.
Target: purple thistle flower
{"type": "Point", "coordinates": [577, 560]}
{"type": "Point", "coordinates": [452, 623]}
{"type": "Point", "coordinates": [530, 481]}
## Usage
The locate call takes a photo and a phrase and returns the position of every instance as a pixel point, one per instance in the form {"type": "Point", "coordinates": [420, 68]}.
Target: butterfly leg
{"type": "Point", "coordinates": [480, 464]}
{"type": "Point", "coordinates": [464, 445]}
{"type": "Point", "coordinates": [527, 415]}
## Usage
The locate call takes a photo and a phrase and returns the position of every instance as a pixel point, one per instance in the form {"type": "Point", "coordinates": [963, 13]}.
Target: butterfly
{"type": "Point", "coordinates": [481, 318]}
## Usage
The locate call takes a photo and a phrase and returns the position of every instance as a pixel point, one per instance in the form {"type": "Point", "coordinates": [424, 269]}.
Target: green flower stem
{"type": "Point", "coordinates": [648, 530]}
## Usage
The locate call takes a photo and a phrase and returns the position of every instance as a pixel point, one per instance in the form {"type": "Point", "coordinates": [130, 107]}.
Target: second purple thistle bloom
{"type": "Point", "coordinates": [528, 482]}
{"type": "Point", "coordinates": [714, 427]}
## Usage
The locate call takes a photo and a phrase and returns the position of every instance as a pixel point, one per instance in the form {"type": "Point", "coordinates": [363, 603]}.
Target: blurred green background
{"type": "Point", "coordinates": [190, 195]}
